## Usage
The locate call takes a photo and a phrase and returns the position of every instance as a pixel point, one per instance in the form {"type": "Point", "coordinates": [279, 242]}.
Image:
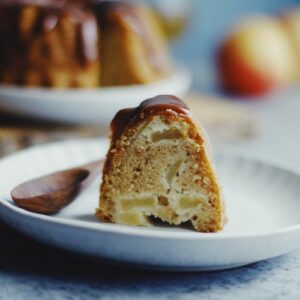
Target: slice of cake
{"type": "Point", "coordinates": [158, 166]}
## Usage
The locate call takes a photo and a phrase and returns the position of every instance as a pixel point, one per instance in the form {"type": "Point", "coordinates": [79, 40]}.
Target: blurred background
{"type": "Point", "coordinates": [244, 58]}
{"type": "Point", "coordinates": [208, 24]}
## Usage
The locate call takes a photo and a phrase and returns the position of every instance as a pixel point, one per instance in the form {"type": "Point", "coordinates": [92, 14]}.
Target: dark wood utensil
{"type": "Point", "coordinates": [50, 193]}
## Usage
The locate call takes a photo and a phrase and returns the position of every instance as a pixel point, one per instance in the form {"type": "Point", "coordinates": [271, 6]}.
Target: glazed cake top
{"type": "Point", "coordinates": [43, 18]}
{"type": "Point", "coordinates": [153, 106]}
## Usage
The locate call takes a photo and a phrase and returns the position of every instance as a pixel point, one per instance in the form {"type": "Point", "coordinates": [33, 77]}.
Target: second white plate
{"type": "Point", "coordinates": [262, 207]}
{"type": "Point", "coordinates": [87, 106]}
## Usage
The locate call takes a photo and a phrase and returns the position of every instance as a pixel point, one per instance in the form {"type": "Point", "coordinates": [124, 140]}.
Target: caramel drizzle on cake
{"type": "Point", "coordinates": [156, 105]}
{"type": "Point", "coordinates": [80, 44]}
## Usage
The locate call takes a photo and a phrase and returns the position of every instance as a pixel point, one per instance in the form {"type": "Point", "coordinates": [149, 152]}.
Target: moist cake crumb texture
{"type": "Point", "coordinates": [158, 166]}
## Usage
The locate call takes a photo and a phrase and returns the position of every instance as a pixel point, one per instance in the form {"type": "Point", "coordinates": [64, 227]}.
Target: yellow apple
{"type": "Point", "coordinates": [292, 21]}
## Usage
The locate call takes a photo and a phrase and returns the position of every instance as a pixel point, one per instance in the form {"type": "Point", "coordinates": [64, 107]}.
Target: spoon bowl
{"type": "Point", "coordinates": [50, 193]}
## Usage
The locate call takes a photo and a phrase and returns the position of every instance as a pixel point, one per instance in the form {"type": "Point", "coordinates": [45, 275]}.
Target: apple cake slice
{"type": "Point", "coordinates": [158, 166]}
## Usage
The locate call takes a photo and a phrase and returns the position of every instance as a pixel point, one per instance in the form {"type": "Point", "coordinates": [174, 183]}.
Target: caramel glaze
{"type": "Point", "coordinates": [150, 107]}
{"type": "Point", "coordinates": [109, 13]}
{"type": "Point", "coordinates": [45, 3]}
{"type": "Point", "coordinates": [47, 20]}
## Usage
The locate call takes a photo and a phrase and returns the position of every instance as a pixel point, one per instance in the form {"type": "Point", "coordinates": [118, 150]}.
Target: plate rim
{"type": "Point", "coordinates": [28, 91]}
{"type": "Point", "coordinates": [88, 106]}
{"type": "Point", "coordinates": [135, 230]}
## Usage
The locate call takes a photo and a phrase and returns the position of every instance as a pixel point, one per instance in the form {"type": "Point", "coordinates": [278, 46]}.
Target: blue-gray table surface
{"type": "Point", "coordinates": [29, 270]}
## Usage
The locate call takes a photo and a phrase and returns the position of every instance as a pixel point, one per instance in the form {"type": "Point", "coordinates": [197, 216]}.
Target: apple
{"type": "Point", "coordinates": [257, 57]}
{"type": "Point", "coordinates": [291, 20]}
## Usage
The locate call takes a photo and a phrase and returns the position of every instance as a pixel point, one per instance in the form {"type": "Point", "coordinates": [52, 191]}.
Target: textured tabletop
{"type": "Point", "coordinates": [29, 270]}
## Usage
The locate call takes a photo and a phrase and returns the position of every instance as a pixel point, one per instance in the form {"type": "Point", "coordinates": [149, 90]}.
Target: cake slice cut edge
{"type": "Point", "coordinates": [158, 166]}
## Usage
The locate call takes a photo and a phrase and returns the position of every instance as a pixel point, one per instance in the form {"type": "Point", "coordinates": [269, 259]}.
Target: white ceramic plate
{"type": "Point", "coordinates": [262, 206]}
{"type": "Point", "coordinates": [87, 106]}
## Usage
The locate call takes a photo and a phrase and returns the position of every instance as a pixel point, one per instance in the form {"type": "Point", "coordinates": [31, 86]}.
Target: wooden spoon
{"type": "Point", "coordinates": [50, 193]}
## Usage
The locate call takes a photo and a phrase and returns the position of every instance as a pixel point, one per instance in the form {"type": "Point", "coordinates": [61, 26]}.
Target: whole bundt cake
{"type": "Point", "coordinates": [64, 43]}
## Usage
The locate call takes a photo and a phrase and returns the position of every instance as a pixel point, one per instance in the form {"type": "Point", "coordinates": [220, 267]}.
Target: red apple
{"type": "Point", "coordinates": [257, 57]}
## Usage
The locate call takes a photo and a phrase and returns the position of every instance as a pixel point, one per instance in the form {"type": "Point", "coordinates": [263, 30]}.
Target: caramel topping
{"type": "Point", "coordinates": [87, 36]}
{"type": "Point", "coordinates": [113, 12]}
{"type": "Point", "coordinates": [32, 20]}
{"type": "Point", "coordinates": [153, 106]}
